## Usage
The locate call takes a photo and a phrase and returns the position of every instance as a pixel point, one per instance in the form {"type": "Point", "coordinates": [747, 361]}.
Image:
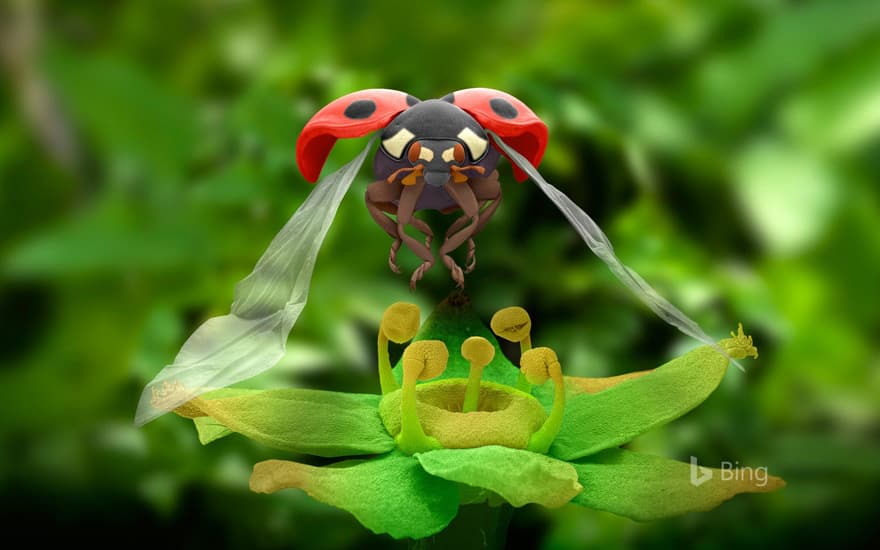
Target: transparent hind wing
{"type": "Point", "coordinates": [253, 336]}
{"type": "Point", "coordinates": [598, 242]}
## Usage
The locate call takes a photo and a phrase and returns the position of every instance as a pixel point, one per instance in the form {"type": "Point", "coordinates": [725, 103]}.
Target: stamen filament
{"type": "Point", "coordinates": [422, 360]}
{"type": "Point", "coordinates": [479, 352]}
{"type": "Point", "coordinates": [538, 365]}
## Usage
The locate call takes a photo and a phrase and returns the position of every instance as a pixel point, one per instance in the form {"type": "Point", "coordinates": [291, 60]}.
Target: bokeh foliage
{"type": "Point", "coordinates": [731, 150]}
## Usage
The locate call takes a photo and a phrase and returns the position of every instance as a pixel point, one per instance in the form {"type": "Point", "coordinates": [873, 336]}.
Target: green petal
{"type": "Point", "coordinates": [210, 430]}
{"type": "Point", "coordinates": [391, 494]}
{"type": "Point", "coordinates": [452, 324]}
{"type": "Point", "coordinates": [519, 476]}
{"type": "Point", "coordinates": [594, 422]}
{"type": "Point", "coordinates": [315, 422]}
{"type": "Point", "coordinates": [645, 487]}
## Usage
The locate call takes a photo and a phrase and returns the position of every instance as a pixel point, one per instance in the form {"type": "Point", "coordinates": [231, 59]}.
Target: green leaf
{"type": "Point", "coordinates": [132, 117]}
{"type": "Point", "coordinates": [645, 487]}
{"type": "Point", "coordinates": [594, 422]}
{"type": "Point", "coordinates": [391, 494]}
{"type": "Point", "coordinates": [315, 422]}
{"type": "Point", "coordinates": [520, 477]}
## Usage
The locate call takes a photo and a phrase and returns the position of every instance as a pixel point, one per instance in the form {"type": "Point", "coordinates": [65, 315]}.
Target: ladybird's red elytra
{"type": "Point", "coordinates": [350, 116]}
{"type": "Point", "coordinates": [359, 113]}
{"type": "Point", "coordinates": [508, 117]}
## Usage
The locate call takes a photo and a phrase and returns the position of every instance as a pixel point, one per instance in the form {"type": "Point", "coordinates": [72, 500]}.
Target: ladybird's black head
{"type": "Point", "coordinates": [438, 136]}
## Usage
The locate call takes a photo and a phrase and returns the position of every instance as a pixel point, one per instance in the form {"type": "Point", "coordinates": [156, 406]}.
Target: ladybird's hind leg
{"type": "Point", "coordinates": [379, 197]}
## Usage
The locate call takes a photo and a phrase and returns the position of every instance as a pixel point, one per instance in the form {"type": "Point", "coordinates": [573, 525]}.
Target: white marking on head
{"type": "Point", "coordinates": [426, 154]}
{"type": "Point", "coordinates": [475, 143]}
{"type": "Point", "coordinates": [448, 155]}
{"type": "Point", "coordinates": [397, 143]}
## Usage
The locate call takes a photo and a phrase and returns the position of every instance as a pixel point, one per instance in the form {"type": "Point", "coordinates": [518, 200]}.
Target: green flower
{"type": "Point", "coordinates": [469, 435]}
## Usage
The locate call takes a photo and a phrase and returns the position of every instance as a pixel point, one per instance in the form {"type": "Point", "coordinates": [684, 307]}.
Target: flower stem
{"type": "Point", "coordinates": [475, 526]}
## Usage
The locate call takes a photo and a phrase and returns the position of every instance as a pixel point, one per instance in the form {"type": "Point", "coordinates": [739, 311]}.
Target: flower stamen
{"type": "Point", "coordinates": [422, 360]}
{"type": "Point", "coordinates": [479, 352]}
{"type": "Point", "coordinates": [400, 322]}
{"type": "Point", "coordinates": [514, 325]}
{"type": "Point", "coordinates": [538, 365]}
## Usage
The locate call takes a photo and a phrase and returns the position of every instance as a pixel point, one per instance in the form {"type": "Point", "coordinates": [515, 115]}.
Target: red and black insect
{"type": "Point", "coordinates": [434, 155]}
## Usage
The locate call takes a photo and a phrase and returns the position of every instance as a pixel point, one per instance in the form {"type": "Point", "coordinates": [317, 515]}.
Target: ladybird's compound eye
{"type": "Point", "coordinates": [458, 153]}
{"type": "Point", "coordinates": [415, 152]}
{"type": "Point", "coordinates": [475, 144]}
{"type": "Point", "coordinates": [455, 153]}
{"type": "Point", "coordinates": [397, 143]}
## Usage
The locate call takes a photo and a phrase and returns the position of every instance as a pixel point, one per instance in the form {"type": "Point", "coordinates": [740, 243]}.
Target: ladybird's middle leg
{"type": "Point", "coordinates": [487, 190]}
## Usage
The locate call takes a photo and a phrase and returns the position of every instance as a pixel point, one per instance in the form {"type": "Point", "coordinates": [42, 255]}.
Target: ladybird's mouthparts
{"type": "Point", "coordinates": [412, 173]}
{"type": "Point", "coordinates": [433, 177]}
{"type": "Point", "coordinates": [457, 172]}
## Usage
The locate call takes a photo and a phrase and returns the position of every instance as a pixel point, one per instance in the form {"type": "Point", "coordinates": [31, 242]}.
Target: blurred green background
{"type": "Point", "coordinates": [730, 149]}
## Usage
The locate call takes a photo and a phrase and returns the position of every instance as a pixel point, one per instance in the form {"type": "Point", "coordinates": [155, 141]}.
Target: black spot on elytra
{"type": "Point", "coordinates": [411, 100]}
{"type": "Point", "coordinates": [503, 108]}
{"type": "Point", "coordinates": [448, 98]}
{"type": "Point", "coordinates": [362, 108]}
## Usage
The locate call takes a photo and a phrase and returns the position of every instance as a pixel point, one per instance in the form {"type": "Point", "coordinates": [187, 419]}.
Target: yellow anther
{"type": "Point", "coordinates": [400, 322]}
{"type": "Point", "coordinates": [515, 325]}
{"type": "Point", "coordinates": [739, 345]}
{"type": "Point", "coordinates": [540, 364]}
{"type": "Point", "coordinates": [512, 323]}
{"type": "Point", "coordinates": [478, 351]}
{"type": "Point", "coordinates": [425, 359]}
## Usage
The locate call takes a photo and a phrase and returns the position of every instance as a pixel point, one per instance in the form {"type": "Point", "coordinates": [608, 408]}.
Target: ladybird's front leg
{"type": "Point", "coordinates": [409, 196]}
{"type": "Point", "coordinates": [467, 201]}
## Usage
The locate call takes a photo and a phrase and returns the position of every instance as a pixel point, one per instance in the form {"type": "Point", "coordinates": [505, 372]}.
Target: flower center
{"type": "Point", "coordinates": [504, 415]}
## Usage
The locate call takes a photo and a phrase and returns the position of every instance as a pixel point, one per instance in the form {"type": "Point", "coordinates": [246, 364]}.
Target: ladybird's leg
{"type": "Point", "coordinates": [405, 215]}
{"type": "Point", "coordinates": [379, 198]}
{"type": "Point", "coordinates": [487, 190]}
{"type": "Point", "coordinates": [467, 201]}
{"type": "Point", "coordinates": [424, 228]}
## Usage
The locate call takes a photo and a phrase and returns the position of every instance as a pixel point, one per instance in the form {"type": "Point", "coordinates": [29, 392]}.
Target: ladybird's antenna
{"type": "Point", "coordinates": [598, 242]}
{"type": "Point", "coordinates": [253, 336]}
